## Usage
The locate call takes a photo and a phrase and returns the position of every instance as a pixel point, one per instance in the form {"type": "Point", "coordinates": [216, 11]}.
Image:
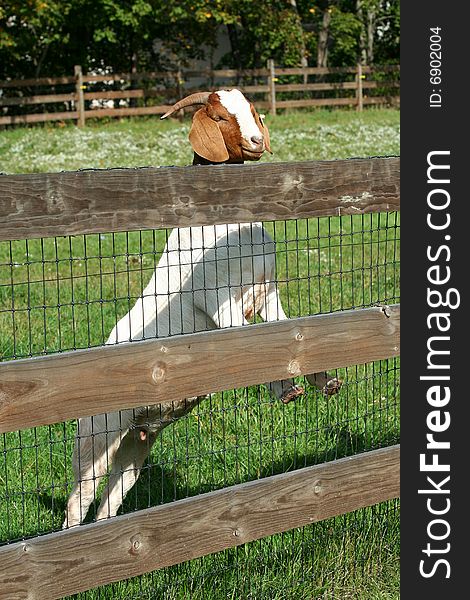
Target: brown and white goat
{"type": "Point", "coordinates": [207, 277]}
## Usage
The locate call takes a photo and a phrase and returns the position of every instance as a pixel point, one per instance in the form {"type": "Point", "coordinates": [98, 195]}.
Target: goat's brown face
{"type": "Point", "coordinates": [228, 129]}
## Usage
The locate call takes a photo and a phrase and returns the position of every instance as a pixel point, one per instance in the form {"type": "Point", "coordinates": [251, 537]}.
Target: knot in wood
{"type": "Point", "coordinates": [294, 368]}
{"type": "Point", "coordinates": [136, 545]}
{"type": "Point", "coordinates": [159, 372]}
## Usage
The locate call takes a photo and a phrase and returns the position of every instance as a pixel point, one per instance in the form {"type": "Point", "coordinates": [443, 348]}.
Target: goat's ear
{"type": "Point", "coordinates": [206, 138]}
{"type": "Point", "coordinates": [265, 131]}
{"type": "Point", "coordinates": [267, 140]}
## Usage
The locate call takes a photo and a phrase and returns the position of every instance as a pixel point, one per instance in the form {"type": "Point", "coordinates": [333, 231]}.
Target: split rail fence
{"type": "Point", "coordinates": [275, 87]}
{"type": "Point", "coordinates": [54, 388]}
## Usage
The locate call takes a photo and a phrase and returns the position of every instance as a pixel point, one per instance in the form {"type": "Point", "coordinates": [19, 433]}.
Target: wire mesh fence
{"type": "Point", "coordinates": [61, 294]}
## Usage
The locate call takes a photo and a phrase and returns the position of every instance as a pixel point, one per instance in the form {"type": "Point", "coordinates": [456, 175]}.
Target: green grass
{"type": "Point", "coordinates": [318, 135]}
{"type": "Point", "coordinates": [67, 293]}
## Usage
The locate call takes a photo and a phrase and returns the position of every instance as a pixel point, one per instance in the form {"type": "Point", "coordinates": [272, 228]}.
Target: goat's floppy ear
{"type": "Point", "coordinates": [265, 131]}
{"type": "Point", "coordinates": [206, 138]}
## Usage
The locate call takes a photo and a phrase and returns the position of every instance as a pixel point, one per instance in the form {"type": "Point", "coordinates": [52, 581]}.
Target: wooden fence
{"type": "Point", "coordinates": [159, 90]}
{"type": "Point", "coordinates": [32, 390]}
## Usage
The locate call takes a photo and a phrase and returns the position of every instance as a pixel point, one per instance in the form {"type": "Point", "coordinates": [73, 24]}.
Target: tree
{"type": "Point", "coordinates": [379, 21]}
{"type": "Point", "coordinates": [30, 30]}
{"type": "Point", "coordinates": [48, 37]}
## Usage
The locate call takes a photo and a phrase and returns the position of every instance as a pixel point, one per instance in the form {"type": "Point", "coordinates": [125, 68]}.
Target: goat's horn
{"type": "Point", "coordinates": [197, 98]}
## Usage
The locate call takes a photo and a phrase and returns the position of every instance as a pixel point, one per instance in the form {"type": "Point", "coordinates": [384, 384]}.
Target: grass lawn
{"type": "Point", "coordinates": [65, 293]}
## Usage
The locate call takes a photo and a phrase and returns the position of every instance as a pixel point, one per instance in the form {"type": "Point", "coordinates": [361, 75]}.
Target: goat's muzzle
{"type": "Point", "coordinates": [253, 152]}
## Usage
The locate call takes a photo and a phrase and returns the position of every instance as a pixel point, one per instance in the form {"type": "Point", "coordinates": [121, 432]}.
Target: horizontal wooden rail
{"type": "Point", "coordinates": [127, 111]}
{"type": "Point", "coordinates": [75, 203]}
{"type": "Point", "coordinates": [37, 81]}
{"type": "Point", "coordinates": [41, 99]}
{"type": "Point", "coordinates": [38, 118]}
{"type": "Point", "coordinates": [51, 389]}
{"type": "Point", "coordinates": [340, 85]}
{"type": "Point", "coordinates": [120, 94]}
{"type": "Point", "coordinates": [307, 102]}
{"type": "Point", "coordinates": [141, 93]}
{"type": "Point", "coordinates": [392, 100]}
{"type": "Point", "coordinates": [242, 73]}
{"type": "Point", "coordinates": [217, 73]}
{"type": "Point", "coordinates": [280, 71]}
{"type": "Point", "coordinates": [67, 562]}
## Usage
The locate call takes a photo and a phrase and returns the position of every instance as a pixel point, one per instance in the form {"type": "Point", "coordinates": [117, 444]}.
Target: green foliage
{"type": "Point", "coordinates": [345, 30]}
{"type": "Point", "coordinates": [48, 37]}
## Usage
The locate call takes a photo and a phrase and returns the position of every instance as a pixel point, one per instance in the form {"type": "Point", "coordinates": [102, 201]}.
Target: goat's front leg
{"type": "Point", "coordinates": [285, 389]}
{"type": "Point", "coordinates": [96, 443]}
{"type": "Point", "coordinates": [127, 463]}
{"type": "Point", "coordinates": [134, 449]}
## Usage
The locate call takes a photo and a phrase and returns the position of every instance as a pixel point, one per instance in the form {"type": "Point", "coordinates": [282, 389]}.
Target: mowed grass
{"type": "Point", "coordinates": [317, 135]}
{"type": "Point", "coordinates": [65, 293]}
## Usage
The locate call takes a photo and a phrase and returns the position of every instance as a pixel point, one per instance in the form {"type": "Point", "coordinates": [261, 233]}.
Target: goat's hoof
{"type": "Point", "coordinates": [292, 393]}
{"type": "Point", "coordinates": [332, 386]}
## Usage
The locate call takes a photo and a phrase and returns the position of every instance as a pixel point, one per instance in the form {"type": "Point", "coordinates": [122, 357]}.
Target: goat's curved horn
{"type": "Point", "coordinates": [197, 98]}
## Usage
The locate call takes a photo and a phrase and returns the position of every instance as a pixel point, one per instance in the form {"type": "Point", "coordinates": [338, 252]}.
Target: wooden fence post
{"type": "Point", "coordinates": [80, 99]}
{"type": "Point", "coordinates": [272, 87]}
{"type": "Point", "coordinates": [359, 96]}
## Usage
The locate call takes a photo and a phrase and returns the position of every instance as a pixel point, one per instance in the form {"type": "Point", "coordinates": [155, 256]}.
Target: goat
{"type": "Point", "coordinates": [207, 277]}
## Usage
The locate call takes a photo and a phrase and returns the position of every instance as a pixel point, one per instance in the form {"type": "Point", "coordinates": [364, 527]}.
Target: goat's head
{"type": "Point", "coordinates": [227, 129]}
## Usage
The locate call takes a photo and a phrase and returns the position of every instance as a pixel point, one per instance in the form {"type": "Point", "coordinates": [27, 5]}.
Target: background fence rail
{"type": "Point", "coordinates": [273, 86]}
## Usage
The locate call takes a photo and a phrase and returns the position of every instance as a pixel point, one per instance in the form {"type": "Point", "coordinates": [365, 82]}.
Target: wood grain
{"type": "Point", "coordinates": [50, 389]}
{"type": "Point", "coordinates": [40, 99]}
{"type": "Point", "coordinates": [340, 85]}
{"type": "Point", "coordinates": [37, 81]}
{"type": "Point", "coordinates": [74, 203]}
{"type": "Point", "coordinates": [36, 118]}
{"type": "Point", "coordinates": [67, 562]}
{"type": "Point", "coordinates": [127, 111]}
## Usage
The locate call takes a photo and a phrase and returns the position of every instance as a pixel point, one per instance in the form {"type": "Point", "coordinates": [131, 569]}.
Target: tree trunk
{"type": "Point", "coordinates": [40, 61]}
{"type": "Point", "coordinates": [235, 45]}
{"type": "Point", "coordinates": [303, 49]}
{"type": "Point", "coordinates": [323, 35]}
{"type": "Point", "coordinates": [133, 86]}
{"type": "Point", "coordinates": [362, 34]}
{"type": "Point", "coordinates": [371, 24]}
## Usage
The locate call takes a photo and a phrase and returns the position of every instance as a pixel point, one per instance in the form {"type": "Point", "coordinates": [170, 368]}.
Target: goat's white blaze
{"type": "Point", "coordinates": [237, 105]}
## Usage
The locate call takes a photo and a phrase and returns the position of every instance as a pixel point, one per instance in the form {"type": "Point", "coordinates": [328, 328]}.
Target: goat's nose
{"type": "Point", "coordinates": [257, 140]}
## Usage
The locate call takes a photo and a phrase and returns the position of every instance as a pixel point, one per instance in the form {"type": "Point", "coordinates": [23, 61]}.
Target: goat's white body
{"type": "Point", "coordinates": [207, 277]}
{"type": "Point", "coordinates": [211, 276]}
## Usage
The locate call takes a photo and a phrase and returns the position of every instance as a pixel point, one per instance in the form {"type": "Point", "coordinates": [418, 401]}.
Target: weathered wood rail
{"type": "Point", "coordinates": [167, 86]}
{"type": "Point", "coordinates": [89, 201]}
{"type": "Point", "coordinates": [71, 561]}
{"type": "Point", "coordinates": [33, 391]}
